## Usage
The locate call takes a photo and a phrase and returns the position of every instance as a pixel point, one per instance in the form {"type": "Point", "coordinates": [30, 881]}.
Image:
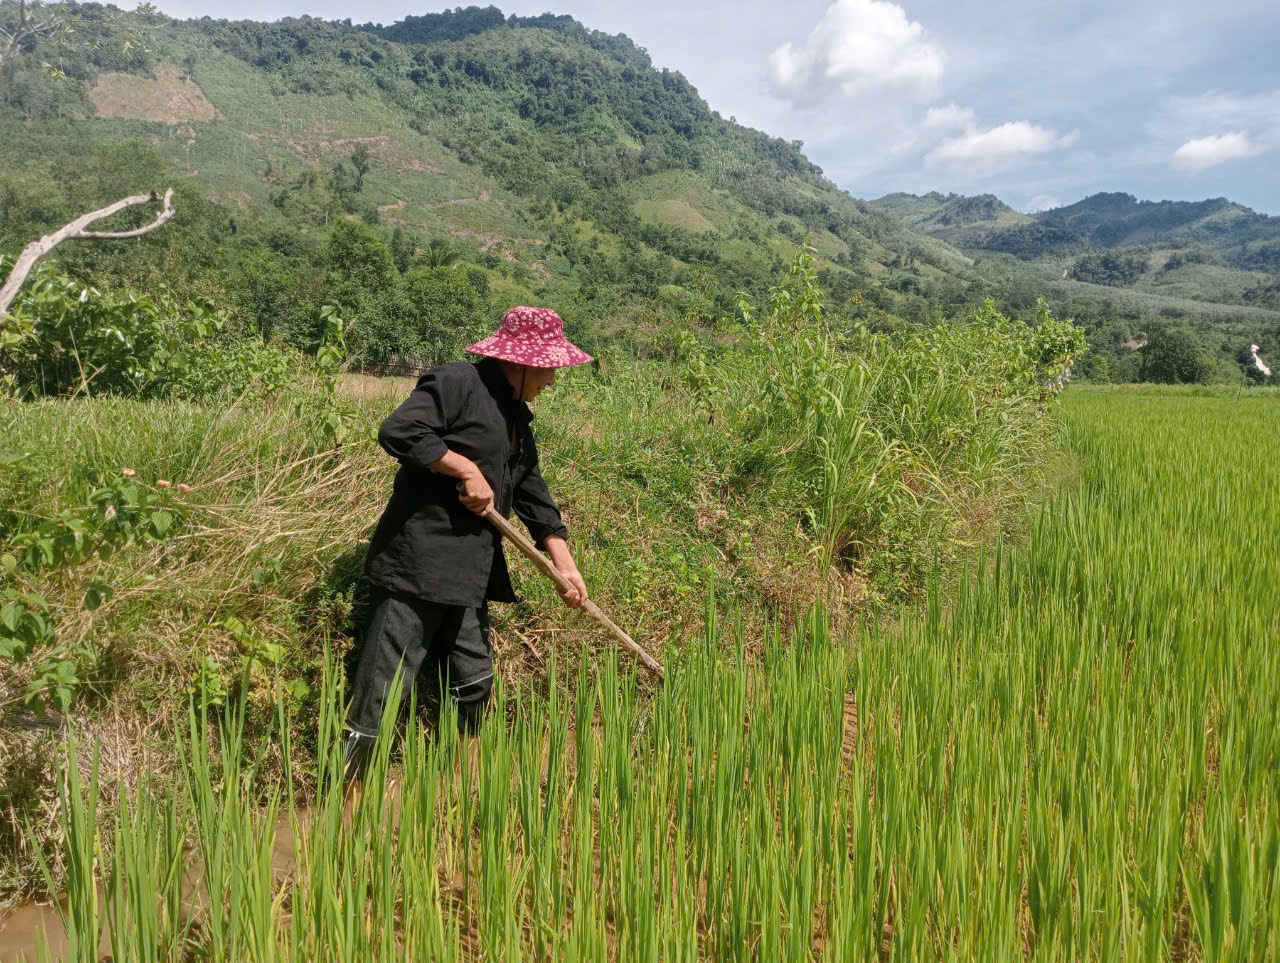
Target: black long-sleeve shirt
{"type": "Point", "coordinates": [427, 543]}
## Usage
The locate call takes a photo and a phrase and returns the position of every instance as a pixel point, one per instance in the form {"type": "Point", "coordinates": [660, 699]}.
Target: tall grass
{"type": "Point", "coordinates": [932, 443]}
{"type": "Point", "coordinates": [1078, 757]}
{"type": "Point", "coordinates": [899, 451]}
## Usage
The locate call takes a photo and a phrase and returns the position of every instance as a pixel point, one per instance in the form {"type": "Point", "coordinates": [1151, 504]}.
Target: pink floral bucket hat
{"type": "Point", "coordinates": [532, 336]}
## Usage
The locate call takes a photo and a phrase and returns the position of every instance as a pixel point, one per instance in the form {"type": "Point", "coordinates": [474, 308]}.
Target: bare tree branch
{"type": "Point", "coordinates": [29, 27]}
{"type": "Point", "coordinates": [76, 229]}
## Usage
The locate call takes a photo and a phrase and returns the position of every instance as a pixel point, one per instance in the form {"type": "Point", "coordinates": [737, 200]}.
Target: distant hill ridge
{"type": "Point", "coordinates": [951, 217]}
{"type": "Point", "coordinates": [1114, 220]}
{"type": "Point", "coordinates": [1172, 256]}
{"type": "Point", "coordinates": [1242, 237]}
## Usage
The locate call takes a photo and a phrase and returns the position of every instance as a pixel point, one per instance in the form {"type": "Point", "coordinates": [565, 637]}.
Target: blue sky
{"type": "Point", "coordinates": [1038, 102]}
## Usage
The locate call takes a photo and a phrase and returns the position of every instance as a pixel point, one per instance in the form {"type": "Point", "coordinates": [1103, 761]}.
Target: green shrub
{"type": "Point", "coordinates": [119, 513]}
{"type": "Point", "coordinates": [66, 338]}
{"type": "Point", "coordinates": [446, 307]}
{"type": "Point", "coordinates": [230, 368]}
{"type": "Point", "coordinates": [1114, 268]}
{"type": "Point", "coordinates": [359, 262]}
{"type": "Point", "coordinates": [63, 337]}
{"type": "Point", "coordinates": [382, 326]}
{"type": "Point", "coordinates": [1172, 356]}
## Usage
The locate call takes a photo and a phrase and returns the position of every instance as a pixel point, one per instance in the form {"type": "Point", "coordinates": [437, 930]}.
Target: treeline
{"type": "Point", "coordinates": [1127, 345]}
{"type": "Point", "coordinates": [1112, 268]}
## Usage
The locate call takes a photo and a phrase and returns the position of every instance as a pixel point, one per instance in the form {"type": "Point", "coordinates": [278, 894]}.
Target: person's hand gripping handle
{"type": "Point", "coordinates": [476, 494]}
{"type": "Point", "coordinates": [530, 551]}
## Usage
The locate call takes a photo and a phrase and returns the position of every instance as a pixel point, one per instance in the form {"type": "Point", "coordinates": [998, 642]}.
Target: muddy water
{"type": "Point", "coordinates": [20, 932]}
{"type": "Point", "coordinates": [23, 931]}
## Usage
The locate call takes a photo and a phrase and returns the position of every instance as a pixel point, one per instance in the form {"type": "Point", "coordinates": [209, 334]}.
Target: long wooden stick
{"type": "Point", "coordinates": [531, 552]}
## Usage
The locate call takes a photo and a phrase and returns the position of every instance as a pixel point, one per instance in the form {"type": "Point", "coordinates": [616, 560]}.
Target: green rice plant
{"type": "Point", "coordinates": [145, 904]}
{"type": "Point", "coordinates": [1069, 755]}
{"type": "Point", "coordinates": [81, 908]}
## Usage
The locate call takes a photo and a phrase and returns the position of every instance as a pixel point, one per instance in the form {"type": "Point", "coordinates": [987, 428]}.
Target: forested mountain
{"type": "Point", "coordinates": [323, 161]}
{"type": "Point", "coordinates": [1238, 236]}
{"type": "Point", "coordinates": [422, 175]}
{"type": "Point", "coordinates": [1241, 236]}
{"type": "Point", "coordinates": [953, 217]}
{"type": "Point", "coordinates": [1123, 265]}
{"type": "Point", "coordinates": [1112, 239]}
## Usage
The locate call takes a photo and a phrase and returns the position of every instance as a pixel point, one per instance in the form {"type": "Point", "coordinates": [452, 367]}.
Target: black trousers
{"type": "Point", "coordinates": [429, 641]}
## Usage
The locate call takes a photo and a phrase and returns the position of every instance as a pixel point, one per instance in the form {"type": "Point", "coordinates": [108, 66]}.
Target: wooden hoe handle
{"type": "Point", "coordinates": [544, 564]}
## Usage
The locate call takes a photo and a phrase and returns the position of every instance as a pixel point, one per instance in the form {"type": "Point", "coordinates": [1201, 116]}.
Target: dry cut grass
{"type": "Point", "coordinates": [171, 98]}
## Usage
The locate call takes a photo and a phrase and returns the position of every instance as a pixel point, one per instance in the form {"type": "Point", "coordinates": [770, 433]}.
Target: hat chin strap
{"type": "Point", "coordinates": [524, 373]}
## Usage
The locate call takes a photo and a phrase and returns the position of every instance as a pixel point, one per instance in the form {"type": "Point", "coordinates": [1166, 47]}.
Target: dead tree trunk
{"type": "Point", "coordinates": [76, 229]}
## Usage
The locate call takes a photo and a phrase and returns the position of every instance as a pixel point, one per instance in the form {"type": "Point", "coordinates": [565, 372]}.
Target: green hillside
{"type": "Point", "coordinates": [1119, 220]}
{"type": "Point", "coordinates": [1123, 267]}
{"type": "Point", "coordinates": [1228, 233]}
{"type": "Point", "coordinates": [424, 175]}
{"type": "Point", "coordinates": [1213, 251]}
{"type": "Point", "coordinates": [953, 217]}
{"type": "Point", "coordinates": [555, 161]}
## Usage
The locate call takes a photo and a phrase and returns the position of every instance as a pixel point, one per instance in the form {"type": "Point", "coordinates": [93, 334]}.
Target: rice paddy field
{"type": "Point", "coordinates": [1073, 756]}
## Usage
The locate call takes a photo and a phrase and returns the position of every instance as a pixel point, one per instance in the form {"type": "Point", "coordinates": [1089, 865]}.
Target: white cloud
{"type": "Point", "coordinates": [979, 150]}
{"type": "Point", "coordinates": [1200, 116]}
{"type": "Point", "coordinates": [1042, 202]}
{"type": "Point", "coordinates": [950, 117]}
{"type": "Point", "coordinates": [1196, 133]}
{"type": "Point", "coordinates": [857, 46]}
{"type": "Point", "coordinates": [1205, 152]}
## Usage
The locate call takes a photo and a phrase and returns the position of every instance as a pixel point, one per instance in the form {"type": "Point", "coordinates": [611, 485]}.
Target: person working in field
{"type": "Point", "coordinates": [465, 447]}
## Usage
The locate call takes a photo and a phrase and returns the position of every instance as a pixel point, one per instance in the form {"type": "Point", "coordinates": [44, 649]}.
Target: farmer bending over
{"type": "Point", "coordinates": [465, 447]}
